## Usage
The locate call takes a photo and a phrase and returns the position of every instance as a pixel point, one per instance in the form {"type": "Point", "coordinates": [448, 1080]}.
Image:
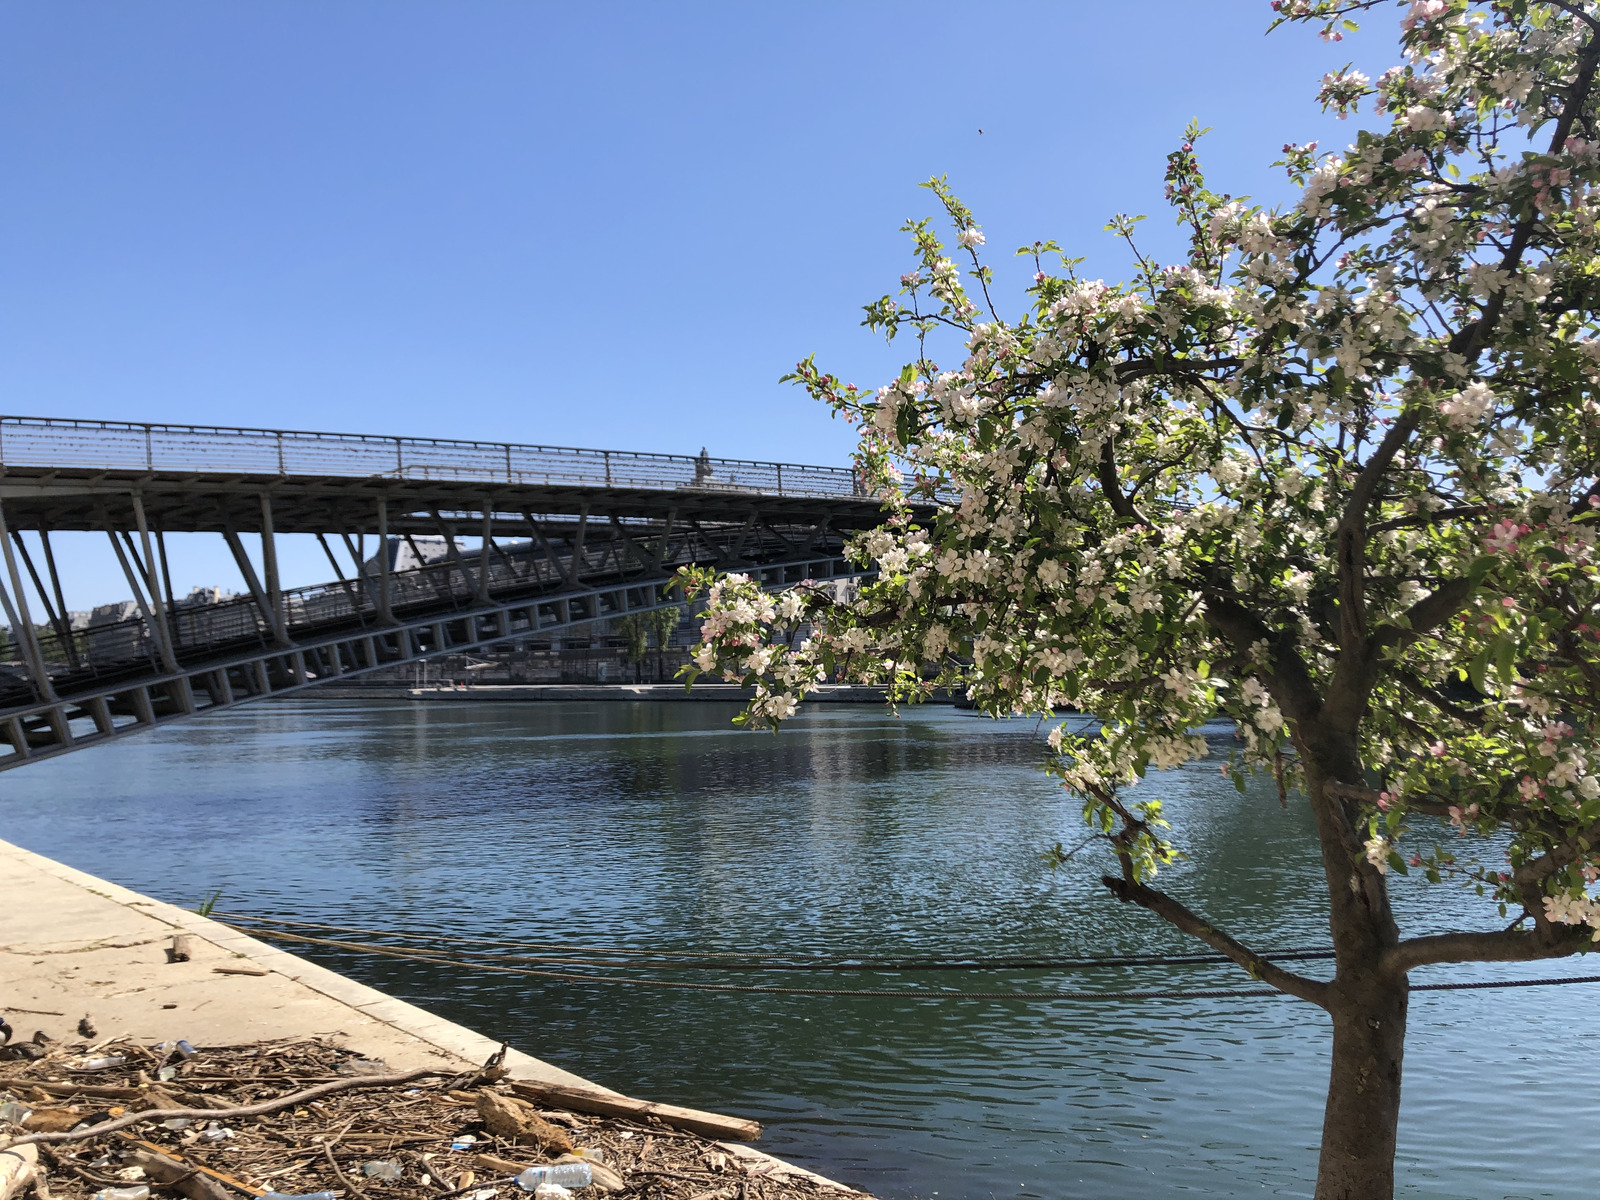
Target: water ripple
{"type": "Point", "coordinates": [659, 827]}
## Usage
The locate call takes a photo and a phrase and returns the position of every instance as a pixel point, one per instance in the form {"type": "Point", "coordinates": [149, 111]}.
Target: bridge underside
{"type": "Point", "coordinates": [521, 559]}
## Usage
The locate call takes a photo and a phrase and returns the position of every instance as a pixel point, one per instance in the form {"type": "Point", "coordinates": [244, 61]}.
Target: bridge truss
{"type": "Point", "coordinates": [563, 537]}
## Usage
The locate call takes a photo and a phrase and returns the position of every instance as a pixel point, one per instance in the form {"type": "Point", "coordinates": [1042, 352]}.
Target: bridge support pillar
{"type": "Point", "coordinates": [143, 710]}
{"type": "Point", "coordinates": [21, 621]}
{"type": "Point", "coordinates": [162, 628]}
{"type": "Point", "coordinates": [269, 563]}
{"type": "Point", "coordinates": [101, 712]}
{"type": "Point", "coordinates": [382, 599]}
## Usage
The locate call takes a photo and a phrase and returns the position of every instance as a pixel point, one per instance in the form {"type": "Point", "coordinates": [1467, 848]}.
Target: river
{"type": "Point", "coordinates": [662, 827]}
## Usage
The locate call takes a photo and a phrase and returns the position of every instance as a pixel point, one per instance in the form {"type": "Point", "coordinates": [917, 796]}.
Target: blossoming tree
{"type": "Point", "coordinates": [1334, 478]}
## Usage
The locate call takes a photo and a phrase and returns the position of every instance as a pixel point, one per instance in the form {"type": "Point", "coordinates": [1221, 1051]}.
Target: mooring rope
{"type": "Point", "coordinates": [711, 960]}
{"type": "Point", "coordinates": [442, 960]}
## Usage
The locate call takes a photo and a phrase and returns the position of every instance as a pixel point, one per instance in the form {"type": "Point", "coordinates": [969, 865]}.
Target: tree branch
{"type": "Point", "coordinates": [1175, 366]}
{"type": "Point", "coordinates": [1290, 682]}
{"type": "Point", "coordinates": [1170, 910]}
{"type": "Point", "coordinates": [1421, 689]}
{"type": "Point", "coordinates": [1506, 945]}
{"type": "Point", "coordinates": [1562, 854]}
{"type": "Point", "coordinates": [1470, 510]}
{"type": "Point", "coordinates": [1423, 616]}
{"type": "Point", "coordinates": [1112, 486]}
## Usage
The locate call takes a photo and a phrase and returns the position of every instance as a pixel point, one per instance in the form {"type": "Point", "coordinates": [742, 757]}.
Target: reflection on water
{"type": "Point", "coordinates": [659, 826]}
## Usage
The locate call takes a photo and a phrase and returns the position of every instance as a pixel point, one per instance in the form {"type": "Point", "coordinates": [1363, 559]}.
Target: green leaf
{"type": "Point", "coordinates": [1505, 660]}
{"type": "Point", "coordinates": [1476, 670]}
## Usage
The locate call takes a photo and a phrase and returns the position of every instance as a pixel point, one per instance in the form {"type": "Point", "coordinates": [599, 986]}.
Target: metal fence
{"type": "Point", "coordinates": [136, 446]}
{"type": "Point", "coordinates": [113, 645]}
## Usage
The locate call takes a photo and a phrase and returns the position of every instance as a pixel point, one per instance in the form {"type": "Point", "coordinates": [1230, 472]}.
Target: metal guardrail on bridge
{"type": "Point", "coordinates": [65, 443]}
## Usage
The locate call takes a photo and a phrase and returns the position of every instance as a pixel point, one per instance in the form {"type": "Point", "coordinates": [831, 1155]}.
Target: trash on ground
{"type": "Point", "coordinates": [563, 1175]}
{"type": "Point", "coordinates": [366, 1132]}
{"type": "Point", "coordinates": [104, 1063]}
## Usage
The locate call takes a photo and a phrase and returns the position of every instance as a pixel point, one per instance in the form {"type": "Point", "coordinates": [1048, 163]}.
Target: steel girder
{"type": "Point", "coordinates": [95, 715]}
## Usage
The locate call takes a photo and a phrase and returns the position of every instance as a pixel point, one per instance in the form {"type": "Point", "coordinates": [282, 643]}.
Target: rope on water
{"type": "Point", "coordinates": [712, 960]}
{"type": "Point", "coordinates": [442, 960]}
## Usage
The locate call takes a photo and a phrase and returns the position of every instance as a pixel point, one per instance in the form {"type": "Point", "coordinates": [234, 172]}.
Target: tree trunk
{"type": "Point", "coordinates": [1368, 1006]}
{"type": "Point", "coordinates": [1363, 1111]}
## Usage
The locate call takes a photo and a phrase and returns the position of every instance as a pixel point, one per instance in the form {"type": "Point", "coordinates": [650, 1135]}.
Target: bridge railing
{"type": "Point", "coordinates": [110, 648]}
{"type": "Point", "coordinates": [138, 446]}
{"type": "Point", "coordinates": [113, 645]}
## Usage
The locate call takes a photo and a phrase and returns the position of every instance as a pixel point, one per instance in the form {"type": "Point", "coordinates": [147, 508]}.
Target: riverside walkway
{"type": "Point", "coordinates": [74, 945]}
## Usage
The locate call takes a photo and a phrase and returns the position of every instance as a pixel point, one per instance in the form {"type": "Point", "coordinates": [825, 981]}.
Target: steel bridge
{"type": "Point", "coordinates": [563, 537]}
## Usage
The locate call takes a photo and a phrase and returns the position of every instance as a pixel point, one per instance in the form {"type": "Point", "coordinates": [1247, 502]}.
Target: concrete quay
{"type": "Point", "coordinates": [72, 944]}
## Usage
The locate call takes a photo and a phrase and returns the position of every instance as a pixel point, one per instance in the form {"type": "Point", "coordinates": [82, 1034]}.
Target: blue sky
{"type": "Point", "coordinates": [597, 225]}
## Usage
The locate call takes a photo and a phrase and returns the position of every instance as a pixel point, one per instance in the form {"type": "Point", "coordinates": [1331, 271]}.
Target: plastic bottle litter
{"type": "Point", "coordinates": [387, 1169]}
{"type": "Point", "coordinates": [15, 1112]}
{"type": "Point", "coordinates": [127, 1193]}
{"type": "Point", "coordinates": [167, 1074]}
{"type": "Point", "coordinates": [551, 1191]}
{"type": "Point", "coordinates": [598, 1156]}
{"type": "Point", "coordinates": [101, 1064]}
{"type": "Point", "coordinates": [215, 1133]}
{"type": "Point", "coordinates": [563, 1175]}
{"type": "Point", "coordinates": [464, 1142]}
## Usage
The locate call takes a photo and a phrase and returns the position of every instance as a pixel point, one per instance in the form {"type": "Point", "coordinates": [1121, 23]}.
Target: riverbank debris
{"type": "Point", "coordinates": [309, 1117]}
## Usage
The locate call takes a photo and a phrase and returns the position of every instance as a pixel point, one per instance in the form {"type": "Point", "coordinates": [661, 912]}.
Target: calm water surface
{"type": "Point", "coordinates": [658, 826]}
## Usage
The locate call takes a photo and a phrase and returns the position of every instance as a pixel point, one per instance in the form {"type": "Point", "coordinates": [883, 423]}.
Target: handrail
{"type": "Point", "coordinates": [65, 442]}
{"type": "Point", "coordinates": [110, 647]}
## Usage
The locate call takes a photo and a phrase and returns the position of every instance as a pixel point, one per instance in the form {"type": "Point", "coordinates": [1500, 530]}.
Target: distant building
{"type": "Point", "coordinates": [117, 632]}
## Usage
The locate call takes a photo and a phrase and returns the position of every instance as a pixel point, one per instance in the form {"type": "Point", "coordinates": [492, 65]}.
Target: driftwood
{"type": "Point", "coordinates": [182, 1176]}
{"type": "Point", "coordinates": [241, 970]}
{"type": "Point", "coordinates": [192, 1166]}
{"type": "Point", "coordinates": [179, 950]}
{"type": "Point", "coordinates": [516, 1121]}
{"type": "Point", "coordinates": [714, 1125]}
{"type": "Point", "coordinates": [275, 1151]}
{"type": "Point", "coordinates": [102, 1091]}
{"type": "Point", "coordinates": [218, 1114]}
